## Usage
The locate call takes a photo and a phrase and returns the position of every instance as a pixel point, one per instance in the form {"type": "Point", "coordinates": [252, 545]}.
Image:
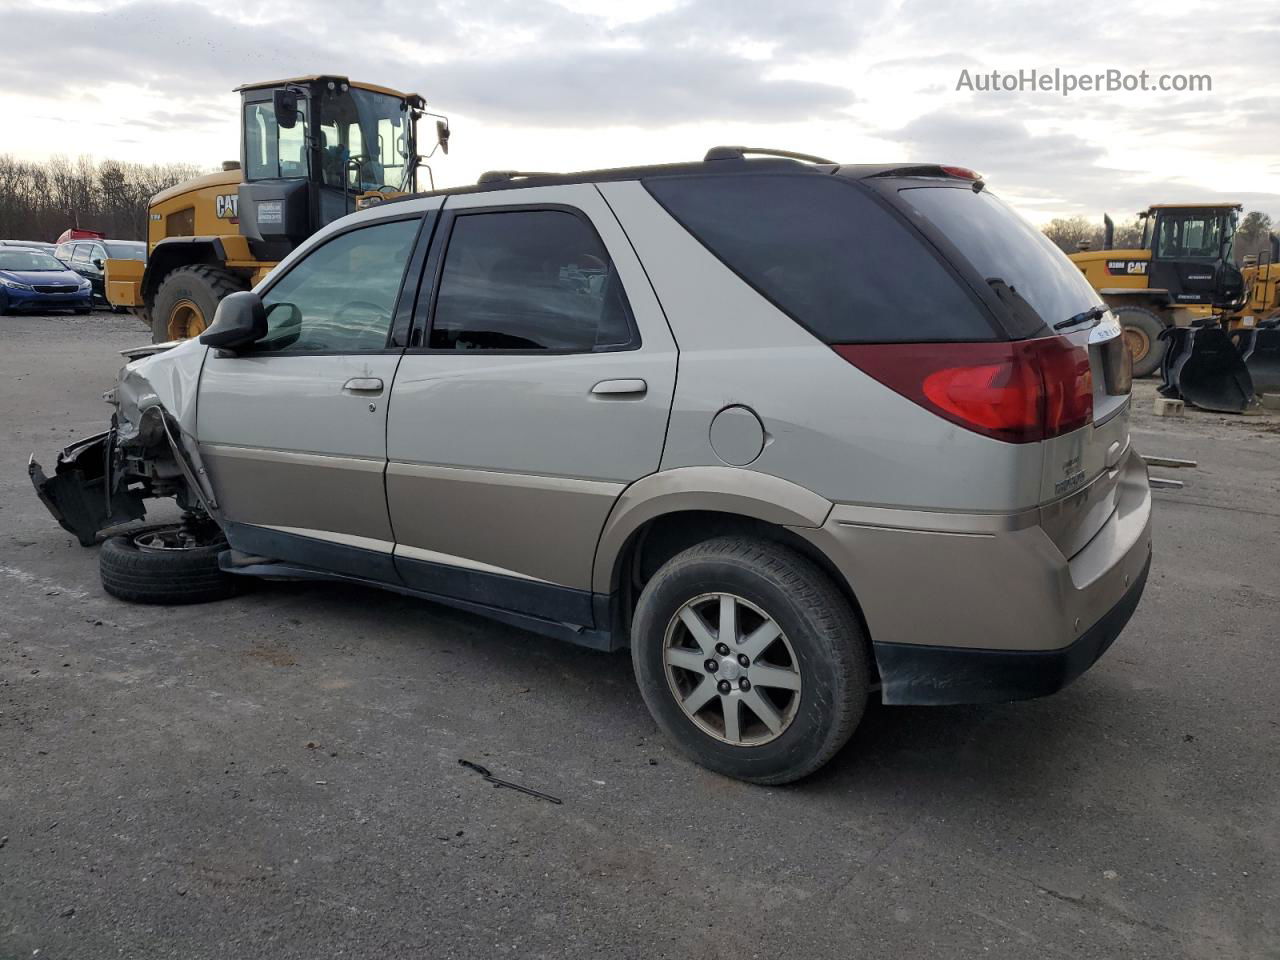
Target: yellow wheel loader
{"type": "Point", "coordinates": [312, 149]}
{"type": "Point", "coordinates": [1180, 274]}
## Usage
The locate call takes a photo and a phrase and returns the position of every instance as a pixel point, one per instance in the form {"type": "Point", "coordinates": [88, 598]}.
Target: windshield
{"type": "Point", "coordinates": [126, 251]}
{"type": "Point", "coordinates": [1022, 265]}
{"type": "Point", "coordinates": [28, 260]}
{"type": "Point", "coordinates": [365, 141]}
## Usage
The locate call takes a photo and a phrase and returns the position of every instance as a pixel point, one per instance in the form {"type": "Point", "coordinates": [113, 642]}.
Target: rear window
{"type": "Point", "coordinates": [1007, 251]}
{"type": "Point", "coordinates": [127, 251]}
{"type": "Point", "coordinates": [826, 252]}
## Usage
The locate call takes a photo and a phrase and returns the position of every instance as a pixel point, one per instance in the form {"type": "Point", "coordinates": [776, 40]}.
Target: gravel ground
{"type": "Point", "coordinates": [277, 775]}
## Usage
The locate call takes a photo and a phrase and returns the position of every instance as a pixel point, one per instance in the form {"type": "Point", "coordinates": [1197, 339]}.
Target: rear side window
{"type": "Point", "coordinates": [827, 254]}
{"type": "Point", "coordinates": [529, 280]}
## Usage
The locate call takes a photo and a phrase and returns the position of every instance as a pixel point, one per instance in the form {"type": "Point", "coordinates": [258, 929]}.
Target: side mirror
{"type": "Point", "coordinates": [442, 136]}
{"type": "Point", "coordinates": [97, 262]}
{"type": "Point", "coordinates": [239, 321]}
{"type": "Point", "coordinates": [285, 105]}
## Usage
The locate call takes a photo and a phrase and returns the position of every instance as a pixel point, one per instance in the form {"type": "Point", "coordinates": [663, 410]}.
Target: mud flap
{"type": "Point", "coordinates": [1203, 367]}
{"type": "Point", "coordinates": [1260, 349]}
{"type": "Point", "coordinates": [81, 494]}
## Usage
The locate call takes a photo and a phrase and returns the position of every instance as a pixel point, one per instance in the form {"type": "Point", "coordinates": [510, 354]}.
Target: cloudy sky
{"type": "Point", "coordinates": [571, 84]}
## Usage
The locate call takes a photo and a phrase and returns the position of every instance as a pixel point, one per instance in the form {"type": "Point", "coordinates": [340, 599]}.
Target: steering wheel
{"type": "Point", "coordinates": [353, 305]}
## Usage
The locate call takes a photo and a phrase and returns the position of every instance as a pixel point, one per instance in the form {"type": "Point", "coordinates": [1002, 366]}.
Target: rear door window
{"type": "Point", "coordinates": [529, 280]}
{"type": "Point", "coordinates": [828, 254]}
{"type": "Point", "coordinates": [1023, 266]}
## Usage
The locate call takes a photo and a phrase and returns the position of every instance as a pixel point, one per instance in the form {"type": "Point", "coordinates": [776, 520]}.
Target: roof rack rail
{"type": "Point", "coordinates": [739, 153]}
{"type": "Point", "coordinates": [497, 176]}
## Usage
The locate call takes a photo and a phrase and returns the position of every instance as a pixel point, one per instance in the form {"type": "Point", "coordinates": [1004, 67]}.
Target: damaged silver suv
{"type": "Point", "coordinates": [795, 432]}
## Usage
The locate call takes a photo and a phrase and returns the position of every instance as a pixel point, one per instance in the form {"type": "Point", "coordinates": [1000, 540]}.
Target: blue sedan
{"type": "Point", "coordinates": [33, 280]}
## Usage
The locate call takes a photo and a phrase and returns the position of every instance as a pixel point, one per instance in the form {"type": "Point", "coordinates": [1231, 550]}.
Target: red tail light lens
{"type": "Point", "coordinates": [1018, 392]}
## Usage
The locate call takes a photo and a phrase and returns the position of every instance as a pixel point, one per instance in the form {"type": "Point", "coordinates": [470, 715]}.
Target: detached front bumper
{"type": "Point", "coordinates": [82, 494]}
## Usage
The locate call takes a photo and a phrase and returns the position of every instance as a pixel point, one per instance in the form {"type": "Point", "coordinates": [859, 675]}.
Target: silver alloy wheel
{"type": "Point", "coordinates": [732, 669]}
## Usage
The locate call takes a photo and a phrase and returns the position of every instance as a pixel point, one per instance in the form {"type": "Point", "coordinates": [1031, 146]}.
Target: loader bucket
{"type": "Point", "coordinates": [1203, 367]}
{"type": "Point", "coordinates": [1260, 350]}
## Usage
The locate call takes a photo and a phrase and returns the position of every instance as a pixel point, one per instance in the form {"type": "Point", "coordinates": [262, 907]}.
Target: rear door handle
{"type": "Point", "coordinates": [620, 388]}
{"type": "Point", "coordinates": [363, 385]}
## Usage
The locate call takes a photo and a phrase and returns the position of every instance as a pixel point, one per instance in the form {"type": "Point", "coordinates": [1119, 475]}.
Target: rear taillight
{"type": "Point", "coordinates": [1018, 392]}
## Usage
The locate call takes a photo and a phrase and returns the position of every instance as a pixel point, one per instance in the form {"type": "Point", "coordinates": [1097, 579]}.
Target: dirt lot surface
{"type": "Point", "coordinates": [276, 776]}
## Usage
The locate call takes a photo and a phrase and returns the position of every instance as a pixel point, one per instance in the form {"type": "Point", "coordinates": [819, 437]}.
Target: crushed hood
{"type": "Point", "coordinates": [170, 379]}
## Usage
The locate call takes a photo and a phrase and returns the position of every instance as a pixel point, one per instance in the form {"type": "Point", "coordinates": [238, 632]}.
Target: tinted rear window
{"type": "Point", "coordinates": [1006, 250]}
{"type": "Point", "coordinates": [828, 254]}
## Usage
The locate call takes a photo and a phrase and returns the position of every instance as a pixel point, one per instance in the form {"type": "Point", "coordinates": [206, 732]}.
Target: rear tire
{"type": "Point", "coordinates": [187, 299]}
{"type": "Point", "coordinates": [1141, 329]}
{"type": "Point", "coordinates": [133, 571]}
{"type": "Point", "coordinates": [815, 675]}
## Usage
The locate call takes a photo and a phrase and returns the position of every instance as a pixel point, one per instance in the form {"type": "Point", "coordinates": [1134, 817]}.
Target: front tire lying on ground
{"type": "Point", "coordinates": [750, 659]}
{"type": "Point", "coordinates": [167, 564]}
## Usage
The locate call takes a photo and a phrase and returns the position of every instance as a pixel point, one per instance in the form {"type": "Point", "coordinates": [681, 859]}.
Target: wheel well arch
{"type": "Point", "coordinates": [168, 255]}
{"type": "Point", "coordinates": [659, 538]}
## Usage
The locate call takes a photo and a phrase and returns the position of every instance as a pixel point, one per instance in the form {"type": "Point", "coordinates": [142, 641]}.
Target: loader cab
{"type": "Point", "coordinates": [1191, 253]}
{"type": "Point", "coordinates": [314, 149]}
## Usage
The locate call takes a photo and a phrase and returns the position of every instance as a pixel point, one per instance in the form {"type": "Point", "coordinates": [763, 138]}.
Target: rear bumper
{"type": "Point", "coordinates": [919, 674]}
{"type": "Point", "coordinates": [972, 608]}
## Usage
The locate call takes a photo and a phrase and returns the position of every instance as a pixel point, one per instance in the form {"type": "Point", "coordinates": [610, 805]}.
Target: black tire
{"type": "Point", "coordinates": [830, 654]}
{"type": "Point", "coordinates": [1146, 325]}
{"type": "Point", "coordinates": [200, 285]}
{"type": "Point", "coordinates": [81, 311]}
{"type": "Point", "coordinates": [130, 572]}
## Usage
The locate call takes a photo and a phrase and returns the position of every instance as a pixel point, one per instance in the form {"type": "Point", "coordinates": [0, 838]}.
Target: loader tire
{"type": "Point", "coordinates": [133, 569]}
{"type": "Point", "coordinates": [1141, 329]}
{"type": "Point", "coordinates": [187, 299]}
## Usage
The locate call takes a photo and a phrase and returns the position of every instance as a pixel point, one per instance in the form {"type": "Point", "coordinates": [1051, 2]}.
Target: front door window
{"type": "Point", "coordinates": [342, 296]}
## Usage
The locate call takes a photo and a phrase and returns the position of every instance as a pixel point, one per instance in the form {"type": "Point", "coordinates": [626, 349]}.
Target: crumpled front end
{"type": "Point", "coordinates": [104, 480]}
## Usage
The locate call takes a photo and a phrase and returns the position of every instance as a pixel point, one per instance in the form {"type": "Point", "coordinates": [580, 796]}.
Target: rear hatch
{"type": "Point", "coordinates": [1049, 307]}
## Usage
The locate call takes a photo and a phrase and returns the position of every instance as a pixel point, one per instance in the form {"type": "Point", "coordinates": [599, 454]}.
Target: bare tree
{"type": "Point", "coordinates": [40, 200]}
{"type": "Point", "coordinates": [1071, 233]}
{"type": "Point", "coordinates": [1253, 236]}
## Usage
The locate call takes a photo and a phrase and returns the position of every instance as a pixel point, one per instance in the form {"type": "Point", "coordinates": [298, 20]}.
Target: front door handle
{"type": "Point", "coordinates": [363, 385]}
{"type": "Point", "coordinates": [620, 388]}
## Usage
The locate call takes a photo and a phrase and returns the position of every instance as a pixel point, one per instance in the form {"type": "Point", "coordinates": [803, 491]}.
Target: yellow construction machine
{"type": "Point", "coordinates": [312, 149]}
{"type": "Point", "coordinates": [1179, 274]}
